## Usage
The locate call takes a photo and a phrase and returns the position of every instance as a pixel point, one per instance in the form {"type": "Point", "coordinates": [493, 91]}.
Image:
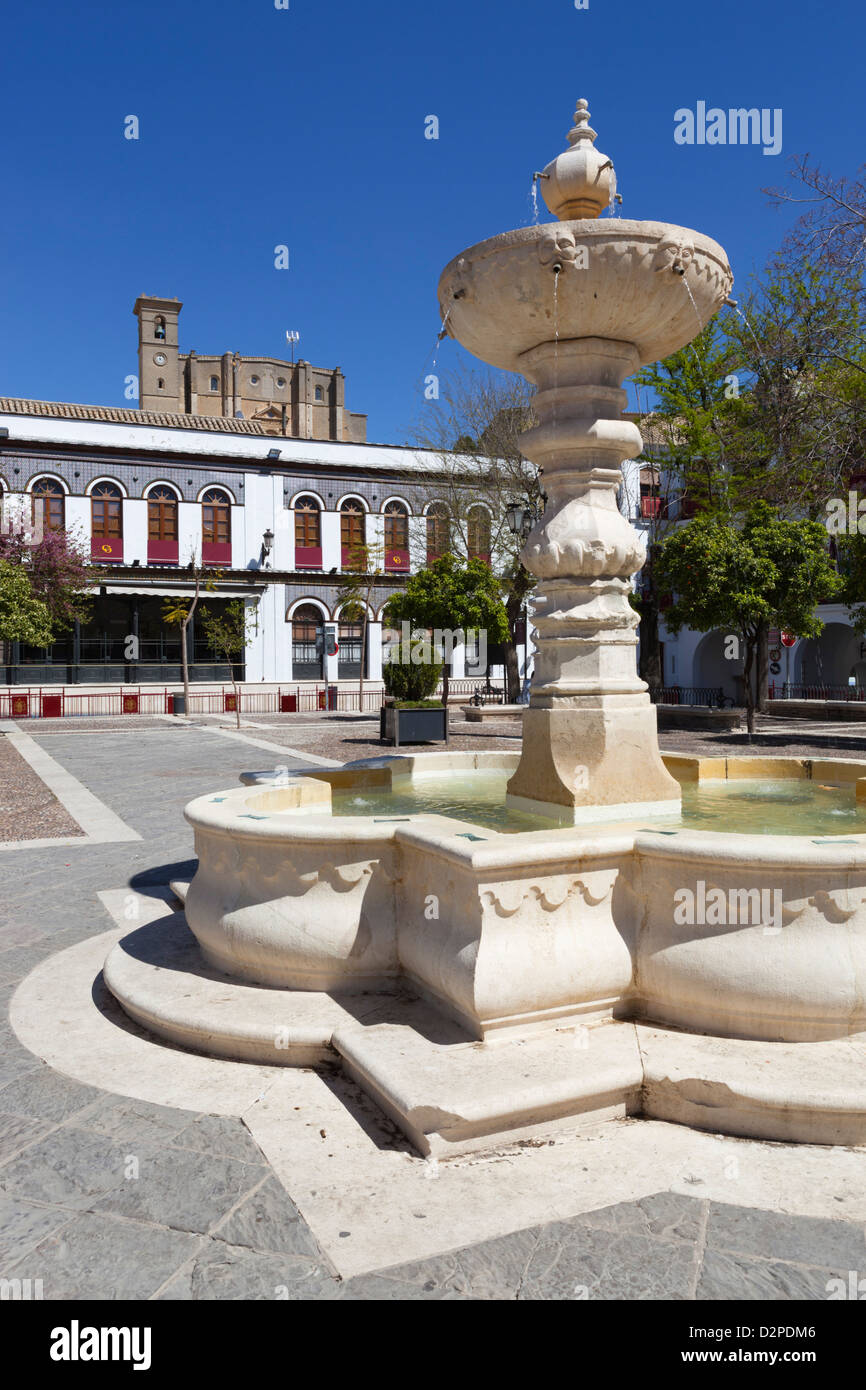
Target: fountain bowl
{"type": "Point", "coordinates": [618, 279]}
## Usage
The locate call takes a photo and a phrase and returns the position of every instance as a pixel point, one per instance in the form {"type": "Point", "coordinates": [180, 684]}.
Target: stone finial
{"type": "Point", "coordinates": [581, 181]}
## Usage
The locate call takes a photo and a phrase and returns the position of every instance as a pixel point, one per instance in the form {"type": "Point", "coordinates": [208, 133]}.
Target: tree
{"type": "Point", "coordinates": [361, 573]}
{"type": "Point", "coordinates": [57, 570]}
{"type": "Point", "coordinates": [23, 617]}
{"type": "Point", "coordinates": [684, 460]}
{"type": "Point", "coordinates": [474, 425]}
{"type": "Point", "coordinates": [744, 579]}
{"type": "Point", "coordinates": [227, 629]}
{"type": "Point", "coordinates": [833, 228]}
{"type": "Point", "coordinates": [178, 612]}
{"type": "Point", "coordinates": [450, 596]}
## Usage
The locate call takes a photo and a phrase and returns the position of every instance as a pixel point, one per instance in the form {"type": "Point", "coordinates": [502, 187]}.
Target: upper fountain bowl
{"type": "Point", "coordinates": [645, 283]}
{"type": "Point", "coordinates": [617, 279]}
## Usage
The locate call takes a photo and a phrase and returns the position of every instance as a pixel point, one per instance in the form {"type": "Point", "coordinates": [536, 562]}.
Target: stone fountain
{"type": "Point", "coordinates": [484, 981]}
{"type": "Point", "coordinates": [576, 307]}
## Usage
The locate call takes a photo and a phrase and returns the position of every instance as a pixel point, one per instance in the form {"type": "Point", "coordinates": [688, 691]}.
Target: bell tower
{"type": "Point", "coordinates": [159, 382]}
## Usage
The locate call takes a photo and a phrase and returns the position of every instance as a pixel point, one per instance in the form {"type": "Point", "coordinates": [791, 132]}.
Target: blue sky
{"type": "Point", "coordinates": [305, 127]}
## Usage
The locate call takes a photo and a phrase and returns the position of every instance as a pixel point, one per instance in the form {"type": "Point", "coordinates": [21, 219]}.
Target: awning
{"type": "Point", "coordinates": [178, 590]}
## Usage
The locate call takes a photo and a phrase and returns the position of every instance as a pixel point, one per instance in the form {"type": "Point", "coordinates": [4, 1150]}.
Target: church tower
{"type": "Point", "coordinates": [159, 379]}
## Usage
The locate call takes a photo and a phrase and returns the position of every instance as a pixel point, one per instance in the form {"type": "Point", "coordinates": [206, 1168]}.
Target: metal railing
{"type": "Point", "coordinates": [789, 691]}
{"type": "Point", "coordinates": [713, 696]}
{"type": "Point", "coordinates": [53, 702]}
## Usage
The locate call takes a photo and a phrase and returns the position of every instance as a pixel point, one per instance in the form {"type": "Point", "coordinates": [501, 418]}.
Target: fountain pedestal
{"type": "Point", "coordinates": [589, 735]}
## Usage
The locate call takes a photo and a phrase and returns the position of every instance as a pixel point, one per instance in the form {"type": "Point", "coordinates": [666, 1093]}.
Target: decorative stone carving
{"type": "Point", "coordinates": [509, 899]}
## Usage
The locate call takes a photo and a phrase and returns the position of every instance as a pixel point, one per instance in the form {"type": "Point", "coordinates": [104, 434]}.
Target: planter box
{"type": "Point", "coordinates": [400, 726]}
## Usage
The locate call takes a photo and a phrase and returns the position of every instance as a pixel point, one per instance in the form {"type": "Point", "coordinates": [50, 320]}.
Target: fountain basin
{"type": "Point", "coordinates": [618, 280]}
{"type": "Point", "coordinates": [506, 930]}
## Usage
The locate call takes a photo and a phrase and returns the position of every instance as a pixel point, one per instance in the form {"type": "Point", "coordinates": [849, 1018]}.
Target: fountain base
{"type": "Point", "coordinates": [584, 762]}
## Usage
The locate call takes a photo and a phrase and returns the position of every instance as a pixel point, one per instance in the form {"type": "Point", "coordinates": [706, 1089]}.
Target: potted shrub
{"type": "Point", "coordinates": [409, 715]}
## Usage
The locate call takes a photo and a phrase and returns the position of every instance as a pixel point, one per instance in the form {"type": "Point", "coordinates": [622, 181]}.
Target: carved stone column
{"type": "Point", "coordinates": [589, 734]}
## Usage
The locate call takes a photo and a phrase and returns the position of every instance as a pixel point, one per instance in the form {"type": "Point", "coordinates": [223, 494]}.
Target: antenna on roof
{"type": "Point", "coordinates": [292, 336]}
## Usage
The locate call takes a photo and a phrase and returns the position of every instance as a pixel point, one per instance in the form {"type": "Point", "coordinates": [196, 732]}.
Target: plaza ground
{"type": "Point", "coordinates": [106, 1194]}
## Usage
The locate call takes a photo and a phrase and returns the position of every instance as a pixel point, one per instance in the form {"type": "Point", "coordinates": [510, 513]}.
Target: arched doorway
{"type": "Point", "coordinates": [830, 658]}
{"type": "Point", "coordinates": [308, 643]}
{"type": "Point", "coordinates": [714, 669]}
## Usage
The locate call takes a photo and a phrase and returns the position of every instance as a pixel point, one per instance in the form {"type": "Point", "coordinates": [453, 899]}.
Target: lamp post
{"type": "Point", "coordinates": [520, 520]}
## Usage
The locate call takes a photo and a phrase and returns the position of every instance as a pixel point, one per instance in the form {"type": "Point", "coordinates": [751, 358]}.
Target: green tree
{"type": "Point", "coordinates": [451, 595]}
{"type": "Point", "coordinates": [178, 612]}
{"type": "Point", "coordinates": [475, 424]}
{"type": "Point", "coordinates": [741, 580]}
{"type": "Point", "coordinates": [228, 630]}
{"type": "Point", "coordinates": [363, 570]}
{"type": "Point", "coordinates": [23, 617]}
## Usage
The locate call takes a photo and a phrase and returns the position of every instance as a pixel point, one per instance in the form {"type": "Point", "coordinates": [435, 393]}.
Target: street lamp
{"type": "Point", "coordinates": [520, 520]}
{"type": "Point", "coordinates": [267, 544]}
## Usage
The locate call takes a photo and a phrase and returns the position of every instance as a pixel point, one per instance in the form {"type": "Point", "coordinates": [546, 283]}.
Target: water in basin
{"type": "Point", "coordinates": [745, 806]}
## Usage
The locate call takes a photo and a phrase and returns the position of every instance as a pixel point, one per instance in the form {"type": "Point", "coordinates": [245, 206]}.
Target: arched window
{"type": "Point", "coordinates": [162, 525]}
{"type": "Point", "coordinates": [216, 527]}
{"type": "Point", "coordinates": [308, 643]}
{"type": "Point", "coordinates": [106, 511]}
{"type": "Point", "coordinates": [438, 531]}
{"type": "Point", "coordinates": [48, 506]}
{"type": "Point", "coordinates": [308, 534]}
{"type": "Point", "coordinates": [214, 383]}
{"type": "Point", "coordinates": [396, 537]}
{"type": "Point", "coordinates": [478, 533]}
{"type": "Point", "coordinates": [320, 395]}
{"type": "Point", "coordinates": [160, 383]}
{"type": "Point", "coordinates": [351, 533]}
{"type": "Point", "coordinates": [106, 522]}
{"type": "Point", "coordinates": [349, 643]}
{"type": "Point", "coordinates": [159, 328]}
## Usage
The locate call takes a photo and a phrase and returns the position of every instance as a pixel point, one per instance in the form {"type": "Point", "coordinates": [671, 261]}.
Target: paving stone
{"type": "Point", "coordinates": [220, 1134]}
{"type": "Point", "coordinates": [68, 1167]}
{"type": "Point", "coordinates": [46, 1095]}
{"type": "Point", "coordinates": [269, 1220]}
{"type": "Point", "coordinates": [492, 1269]}
{"type": "Point", "coordinates": [23, 1225]}
{"type": "Point", "coordinates": [373, 1288]}
{"type": "Point", "coordinates": [17, 1131]}
{"type": "Point", "coordinates": [16, 1063]}
{"type": "Point", "coordinates": [136, 1121]}
{"type": "Point", "coordinates": [188, 1191]}
{"type": "Point", "coordinates": [774, 1235]}
{"type": "Point", "coordinates": [222, 1271]}
{"type": "Point", "coordinates": [574, 1261]}
{"type": "Point", "coordinates": [18, 961]}
{"type": "Point", "coordinates": [103, 1258]}
{"type": "Point", "coordinates": [665, 1214]}
{"type": "Point", "coordinates": [729, 1276]}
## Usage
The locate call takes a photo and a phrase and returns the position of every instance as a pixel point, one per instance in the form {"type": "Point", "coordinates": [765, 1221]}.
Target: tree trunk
{"type": "Point", "coordinates": [364, 623]}
{"type": "Point", "coordinates": [184, 660]}
{"type": "Point", "coordinates": [763, 667]}
{"type": "Point", "coordinates": [650, 645]}
{"type": "Point", "coordinates": [512, 673]}
{"type": "Point", "coordinates": [749, 685]}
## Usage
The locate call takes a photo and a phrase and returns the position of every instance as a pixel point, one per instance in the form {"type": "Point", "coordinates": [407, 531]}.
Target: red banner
{"type": "Point", "coordinates": [130, 704]}
{"type": "Point", "coordinates": [20, 706]}
{"type": "Point", "coordinates": [231, 704]}
{"type": "Point", "coordinates": [52, 706]}
{"type": "Point", "coordinates": [101, 549]}
{"type": "Point", "coordinates": [397, 560]}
